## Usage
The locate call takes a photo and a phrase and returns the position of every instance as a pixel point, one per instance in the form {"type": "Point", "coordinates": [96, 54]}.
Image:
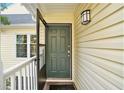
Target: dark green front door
{"type": "Point", "coordinates": [58, 51]}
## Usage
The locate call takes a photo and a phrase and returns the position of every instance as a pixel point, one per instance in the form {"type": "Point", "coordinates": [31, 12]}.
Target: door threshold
{"type": "Point", "coordinates": [59, 80]}
{"type": "Point", "coordinates": [59, 83]}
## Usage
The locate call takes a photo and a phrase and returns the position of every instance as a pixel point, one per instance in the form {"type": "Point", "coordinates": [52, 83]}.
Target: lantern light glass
{"type": "Point", "coordinates": [85, 17]}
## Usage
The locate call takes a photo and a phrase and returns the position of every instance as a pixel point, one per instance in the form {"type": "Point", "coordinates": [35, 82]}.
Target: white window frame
{"type": "Point", "coordinates": [28, 45]}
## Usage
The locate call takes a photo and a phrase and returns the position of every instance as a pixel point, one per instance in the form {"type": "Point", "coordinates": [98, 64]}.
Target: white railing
{"type": "Point", "coordinates": [22, 76]}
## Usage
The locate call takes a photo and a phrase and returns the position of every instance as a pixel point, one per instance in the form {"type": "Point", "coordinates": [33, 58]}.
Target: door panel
{"type": "Point", "coordinates": [58, 61]}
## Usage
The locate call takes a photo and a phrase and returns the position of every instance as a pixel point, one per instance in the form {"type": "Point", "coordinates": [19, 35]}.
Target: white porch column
{"type": "Point", "coordinates": [1, 68]}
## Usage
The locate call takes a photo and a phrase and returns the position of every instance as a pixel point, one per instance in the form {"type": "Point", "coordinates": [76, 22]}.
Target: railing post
{"type": "Point", "coordinates": [35, 74]}
{"type": "Point", "coordinates": [32, 75]}
{"type": "Point", "coordinates": [35, 65]}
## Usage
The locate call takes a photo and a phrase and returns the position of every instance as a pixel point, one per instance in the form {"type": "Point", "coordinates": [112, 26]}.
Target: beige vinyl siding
{"type": "Point", "coordinates": [99, 49]}
{"type": "Point", "coordinates": [8, 45]}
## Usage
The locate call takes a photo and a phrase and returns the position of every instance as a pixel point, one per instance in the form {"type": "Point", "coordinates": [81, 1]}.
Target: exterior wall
{"type": "Point", "coordinates": [8, 45]}
{"type": "Point", "coordinates": [99, 47]}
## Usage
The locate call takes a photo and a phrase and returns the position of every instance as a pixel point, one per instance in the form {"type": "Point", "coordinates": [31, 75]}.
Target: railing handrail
{"type": "Point", "coordinates": [16, 67]}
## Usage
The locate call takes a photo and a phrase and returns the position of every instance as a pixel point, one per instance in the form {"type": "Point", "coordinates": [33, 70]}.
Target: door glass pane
{"type": "Point", "coordinates": [42, 33]}
{"type": "Point", "coordinates": [33, 38]}
{"type": "Point", "coordinates": [32, 50]}
{"type": "Point", "coordinates": [41, 46]}
{"type": "Point", "coordinates": [33, 45]}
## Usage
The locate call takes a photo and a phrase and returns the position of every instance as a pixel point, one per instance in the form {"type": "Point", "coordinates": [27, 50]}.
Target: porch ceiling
{"type": "Point", "coordinates": [58, 8]}
{"type": "Point", "coordinates": [52, 8]}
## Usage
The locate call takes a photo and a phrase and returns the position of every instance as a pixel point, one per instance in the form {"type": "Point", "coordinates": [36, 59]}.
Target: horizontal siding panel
{"type": "Point", "coordinates": [112, 55]}
{"type": "Point", "coordinates": [107, 11]}
{"type": "Point", "coordinates": [89, 79]}
{"type": "Point", "coordinates": [99, 47]}
{"type": "Point", "coordinates": [84, 83]}
{"type": "Point", "coordinates": [98, 9]}
{"type": "Point", "coordinates": [111, 43]}
{"type": "Point", "coordinates": [113, 31]}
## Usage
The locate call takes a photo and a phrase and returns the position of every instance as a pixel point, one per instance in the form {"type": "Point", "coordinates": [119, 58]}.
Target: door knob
{"type": "Point", "coordinates": [69, 51]}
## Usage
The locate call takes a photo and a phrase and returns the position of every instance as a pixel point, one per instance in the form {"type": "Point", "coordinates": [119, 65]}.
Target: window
{"type": "Point", "coordinates": [25, 46]}
{"type": "Point", "coordinates": [21, 46]}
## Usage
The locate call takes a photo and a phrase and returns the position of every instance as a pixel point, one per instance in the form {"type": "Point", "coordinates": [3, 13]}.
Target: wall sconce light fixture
{"type": "Point", "coordinates": [85, 17]}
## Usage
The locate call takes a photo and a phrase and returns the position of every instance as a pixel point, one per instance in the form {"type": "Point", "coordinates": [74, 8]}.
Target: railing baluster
{"type": "Point", "coordinates": [4, 83]}
{"type": "Point", "coordinates": [35, 67]}
{"type": "Point", "coordinates": [34, 81]}
{"type": "Point", "coordinates": [28, 84]}
{"type": "Point", "coordinates": [20, 79]}
{"type": "Point", "coordinates": [24, 79]}
{"type": "Point", "coordinates": [31, 76]}
{"type": "Point", "coordinates": [13, 84]}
